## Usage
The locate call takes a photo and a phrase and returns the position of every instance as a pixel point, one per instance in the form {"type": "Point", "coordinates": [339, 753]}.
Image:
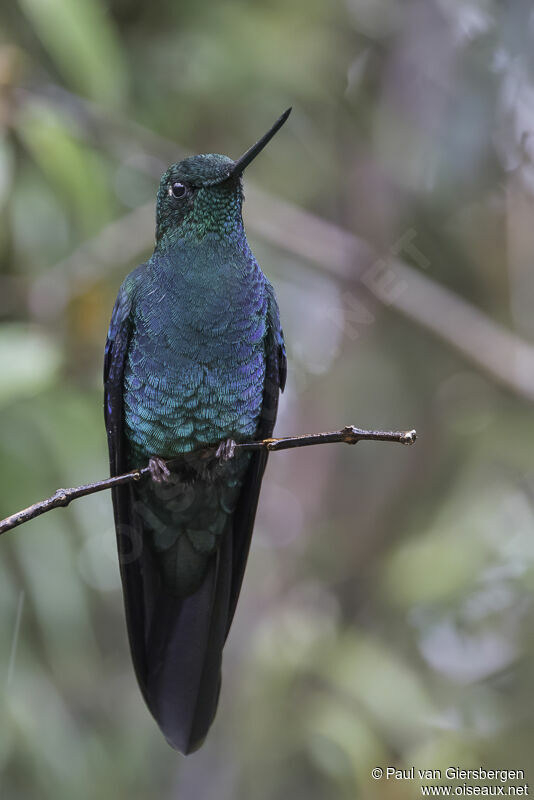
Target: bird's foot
{"type": "Point", "coordinates": [159, 470]}
{"type": "Point", "coordinates": [225, 450]}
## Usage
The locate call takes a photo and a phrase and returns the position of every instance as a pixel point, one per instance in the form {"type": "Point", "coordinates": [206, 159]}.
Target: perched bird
{"type": "Point", "coordinates": [195, 359]}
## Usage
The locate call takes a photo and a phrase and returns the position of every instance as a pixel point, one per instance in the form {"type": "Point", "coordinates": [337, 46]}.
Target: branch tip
{"type": "Point", "coordinates": [409, 437]}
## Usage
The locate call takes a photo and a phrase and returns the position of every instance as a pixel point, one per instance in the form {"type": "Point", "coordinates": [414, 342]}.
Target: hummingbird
{"type": "Point", "coordinates": [194, 363]}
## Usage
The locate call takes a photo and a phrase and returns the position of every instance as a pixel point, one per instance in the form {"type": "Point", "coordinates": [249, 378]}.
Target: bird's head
{"type": "Point", "coordinates": [203, 194]}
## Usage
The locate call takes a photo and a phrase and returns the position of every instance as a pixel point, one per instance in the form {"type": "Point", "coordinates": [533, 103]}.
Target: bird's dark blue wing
{"type": "Point", "coordinates": [275, 380]}
{"type": "Point", "coordinates": [128, 526]}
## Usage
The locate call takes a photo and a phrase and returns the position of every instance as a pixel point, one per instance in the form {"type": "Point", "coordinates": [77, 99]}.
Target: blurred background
{"type": "Point", "coordinates": [386, 616]}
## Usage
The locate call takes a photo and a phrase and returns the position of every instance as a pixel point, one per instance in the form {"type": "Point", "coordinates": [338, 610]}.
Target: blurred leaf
{"type": "Point", "coordinates": [82, 41]}
{"type": "Point", "coordinates": [29, 361]}
{"type": "Point", "coordinates": [374, 678]}
{"type": "Point", "coordinates": [73, 169]}
{"type": "Point", "coordinates": [343, 744]}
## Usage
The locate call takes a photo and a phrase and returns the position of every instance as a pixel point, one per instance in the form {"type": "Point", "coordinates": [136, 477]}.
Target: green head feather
{"type": "Point", "coordinates": [199, 195]}
{"type": "Point", "coordinates": [203, 194]}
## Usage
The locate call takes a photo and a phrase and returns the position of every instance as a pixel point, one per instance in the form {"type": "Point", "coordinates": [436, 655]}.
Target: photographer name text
{"type": "Point", "coordinates": [454, 774]}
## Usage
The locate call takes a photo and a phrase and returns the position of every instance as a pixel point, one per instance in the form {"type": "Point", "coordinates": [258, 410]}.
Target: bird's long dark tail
{"type": "Point", "coordinates": [177, 630]}
{"type": "Point", "coordinates": [185, 646]}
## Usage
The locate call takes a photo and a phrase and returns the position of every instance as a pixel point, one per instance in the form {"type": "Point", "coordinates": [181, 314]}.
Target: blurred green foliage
{"type": "Point", "coordinates": [386, 617]}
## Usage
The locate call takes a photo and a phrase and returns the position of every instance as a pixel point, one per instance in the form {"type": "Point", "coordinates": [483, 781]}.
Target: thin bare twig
{"type": "Point", "coordinates": [62, 497]}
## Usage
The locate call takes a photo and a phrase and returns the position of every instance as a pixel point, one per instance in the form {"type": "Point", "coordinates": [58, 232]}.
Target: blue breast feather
{"type": "Point", "coordinates": [196, 365]}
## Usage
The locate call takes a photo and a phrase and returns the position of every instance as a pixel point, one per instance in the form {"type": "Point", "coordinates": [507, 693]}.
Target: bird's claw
{"type": "Point", "coordinates": [159, 470]}
{"type": "Point", "coordinates": [225, 450]}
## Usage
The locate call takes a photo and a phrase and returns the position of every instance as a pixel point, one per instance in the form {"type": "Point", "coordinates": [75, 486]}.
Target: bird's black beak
{"type": "Point", "coordinates": [252, 152]}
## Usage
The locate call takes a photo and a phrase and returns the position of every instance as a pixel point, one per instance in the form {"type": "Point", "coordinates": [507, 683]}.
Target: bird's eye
{"type": "Point", "coordinates": [178, 189]}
